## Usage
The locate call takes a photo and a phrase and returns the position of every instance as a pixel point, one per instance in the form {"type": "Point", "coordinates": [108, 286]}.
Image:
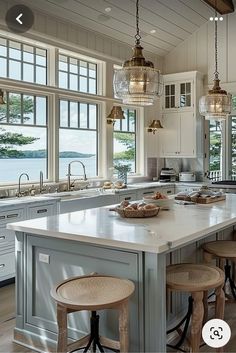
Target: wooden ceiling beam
{"type": "Point", "coordinates": [221, 6]}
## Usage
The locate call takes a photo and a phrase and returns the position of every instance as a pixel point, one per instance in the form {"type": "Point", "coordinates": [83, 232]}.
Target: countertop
{"type": "Point", "coordinates": [170, 229]}
{"type": "Point", "coordinates": [29, 200]}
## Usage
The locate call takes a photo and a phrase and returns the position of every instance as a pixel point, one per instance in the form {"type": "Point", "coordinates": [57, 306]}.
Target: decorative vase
{"type": "Point", "coordinates": [123, 176]}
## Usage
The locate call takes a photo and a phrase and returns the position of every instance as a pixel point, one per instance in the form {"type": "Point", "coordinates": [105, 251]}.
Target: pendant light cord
{"type": "Point", "coordinates": [216, 45]}
{"type": "Point", "coordinates": [137, 36]}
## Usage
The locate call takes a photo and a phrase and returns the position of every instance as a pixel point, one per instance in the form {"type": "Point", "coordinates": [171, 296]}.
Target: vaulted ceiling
{"type": "Point", "coordinates": [164, 23]}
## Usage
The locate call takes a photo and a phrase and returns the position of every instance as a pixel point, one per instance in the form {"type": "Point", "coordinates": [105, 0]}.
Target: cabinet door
{"type": "Point", "coordinates": [169, 139]}
{"type": "Point", "coordinates": [170, 96]}
{"type": "Point", "coordinates": [185, 95]}
{"type": "Point", "coordinates": [187, 135]}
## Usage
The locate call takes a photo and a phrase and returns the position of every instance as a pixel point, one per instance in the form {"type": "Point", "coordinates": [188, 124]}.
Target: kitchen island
{"type": "Point", "coordinates": [51, 249]}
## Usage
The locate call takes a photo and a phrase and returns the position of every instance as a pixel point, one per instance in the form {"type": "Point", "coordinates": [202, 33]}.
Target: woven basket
{"type": "Point", "coordinates": [137, 213]}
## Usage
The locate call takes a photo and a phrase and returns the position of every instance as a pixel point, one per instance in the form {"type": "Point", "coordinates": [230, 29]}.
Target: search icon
{"type": "Point", "coordinates": [216, 333]}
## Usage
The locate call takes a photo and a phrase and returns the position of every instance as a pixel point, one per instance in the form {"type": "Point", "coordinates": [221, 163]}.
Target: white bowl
{"type": "Point", "coordinates": [168, 203]}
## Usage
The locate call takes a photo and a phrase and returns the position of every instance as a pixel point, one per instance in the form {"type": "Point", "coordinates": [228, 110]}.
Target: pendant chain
{"type": "Point", "coordinates": [216, 48]}
{"type": "Point", "coordinates": [137, 36]}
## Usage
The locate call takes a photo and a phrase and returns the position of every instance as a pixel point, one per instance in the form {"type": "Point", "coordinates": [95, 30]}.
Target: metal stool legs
{"type": "Point", "coordinates": [185, 320]}
{"type": "Point", "coordinates": [230, 279]}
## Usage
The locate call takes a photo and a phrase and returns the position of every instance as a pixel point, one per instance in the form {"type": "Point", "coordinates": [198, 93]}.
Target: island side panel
{"type": "Point", "coordinates": [67, 259]}
{"type": "Point", "coordinates": [155, 302]}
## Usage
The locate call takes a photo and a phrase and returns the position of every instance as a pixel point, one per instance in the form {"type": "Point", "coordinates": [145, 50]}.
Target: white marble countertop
{"type": "Point", "coordinates": [8, 203]}
{"type": "Point", "coordinates": [170, 229]}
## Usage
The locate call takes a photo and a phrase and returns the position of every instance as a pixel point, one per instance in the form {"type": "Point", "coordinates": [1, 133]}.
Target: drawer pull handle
{"type": "Point", "coordinates": [127, 198]}
{"type": "Point", "coordinates": [2, 265]}
{"type": "Point", "coordinates": [13, 215]}
{"type": "Point", "coordinates": [168, 191]}
{"type": "Point", "coordinates": [42, 211]}
{"type": "Point", "coordinates": [147, 192]}
{"type": "Point", "coordinates": [2, 217]}
{"type": "Point", "coordinates": [2, 237]}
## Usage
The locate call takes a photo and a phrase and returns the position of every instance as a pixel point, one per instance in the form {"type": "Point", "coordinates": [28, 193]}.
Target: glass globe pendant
{"type": "Point", "coordinates": [217, 104]}
{"type": "Point", "coordinates": [138, 82]}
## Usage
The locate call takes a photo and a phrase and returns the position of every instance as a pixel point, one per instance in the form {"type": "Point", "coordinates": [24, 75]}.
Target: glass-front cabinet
{"type": "Point", "coordinates": [178, 95]}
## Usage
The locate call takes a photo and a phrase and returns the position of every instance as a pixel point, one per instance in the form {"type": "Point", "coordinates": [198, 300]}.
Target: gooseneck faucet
{"type": "Point", "coordinates": [69, 172]}
{"type": "Point", "coordinates": [41, 188]}
{"type": "Point", "coordinates": [19, 193]}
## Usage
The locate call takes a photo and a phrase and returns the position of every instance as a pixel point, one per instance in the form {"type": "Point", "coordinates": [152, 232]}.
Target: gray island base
{"type": "Point", "coordinates": [54, 248]}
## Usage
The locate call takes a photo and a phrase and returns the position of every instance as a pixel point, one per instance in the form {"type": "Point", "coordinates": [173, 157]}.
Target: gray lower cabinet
{"type": "Point", "coordinates": [129, 196]}
{"type": "Point", "coordinates": [7, 237]}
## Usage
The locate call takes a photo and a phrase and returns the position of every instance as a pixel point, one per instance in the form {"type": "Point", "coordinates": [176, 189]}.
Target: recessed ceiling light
{"type": "Point", "coordinates": [211, 18]}
{"type": "Point", "coordinates": [221, 18]}
{"type": "Point", "coordinates": [216, 18]}
{"type": "Point", "coordinates": [153, 31]}
{"type": "Point", "coordinates": [108, 9]}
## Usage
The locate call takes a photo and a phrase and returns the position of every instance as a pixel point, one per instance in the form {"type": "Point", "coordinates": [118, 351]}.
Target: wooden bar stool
{"type": "Point", "coordinates": [197, 279]}
{"type": "Point", "coordinates": [92, 293]}
{"type": "Point", "coordinates": [225, 251]}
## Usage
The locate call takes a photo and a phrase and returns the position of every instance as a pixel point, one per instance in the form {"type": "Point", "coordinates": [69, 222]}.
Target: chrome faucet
{"type": "Point", "coordinates": [41, 188]}
{"type": "Point", "coordinates": [69, 172]}
{"type": "Point", "coordinates": [20, 193]}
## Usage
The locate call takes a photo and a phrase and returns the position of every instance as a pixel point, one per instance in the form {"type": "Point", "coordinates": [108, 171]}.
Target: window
{"type": "Point", "coordinates": [215, 165]}
{"type": "Point", "coordinates": [23, 62]}
{"type": "Point", "coordinates": [78, 137]}
{"type": "Point", "coordinates": [77, 75]}
{"type": "Point", "coordinates": [124, 140]}
{"type": "Point", "coordinates": [185, 94]}
{"type": "Point", "coordinates": [23, 136]}
{"type": "Point", "coordinates": [232, 149]}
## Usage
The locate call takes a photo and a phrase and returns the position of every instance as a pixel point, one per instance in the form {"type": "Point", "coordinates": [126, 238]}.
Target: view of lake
{"type": "Point", "coordinates": [11, 168]}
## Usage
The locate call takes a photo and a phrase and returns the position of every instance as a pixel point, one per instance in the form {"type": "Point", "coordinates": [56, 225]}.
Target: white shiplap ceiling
{"type": "Point", "coordinates": [173, 20]}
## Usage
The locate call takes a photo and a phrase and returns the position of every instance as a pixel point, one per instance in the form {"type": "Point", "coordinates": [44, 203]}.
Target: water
{"type": "Point", "coordinates": [10, 169]}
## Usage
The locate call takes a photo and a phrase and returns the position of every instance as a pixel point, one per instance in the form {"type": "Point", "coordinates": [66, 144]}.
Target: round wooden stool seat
{"type": "Point", "coordinates": [221, 248]}
{"type": "Point", "coordinates": [196, 279]}
{"type": "Point", "coordinates": [93, 292]}
{"type": "Point", "coordinates": [193, 277]}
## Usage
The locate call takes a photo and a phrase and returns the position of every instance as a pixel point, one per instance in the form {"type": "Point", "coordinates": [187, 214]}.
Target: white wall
{"type": "Point", "coordinates": [197, 52]}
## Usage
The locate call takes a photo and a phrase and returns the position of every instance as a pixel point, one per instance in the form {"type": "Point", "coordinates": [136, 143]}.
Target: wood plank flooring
{"type": "Point", "coordinates": [7, 323]}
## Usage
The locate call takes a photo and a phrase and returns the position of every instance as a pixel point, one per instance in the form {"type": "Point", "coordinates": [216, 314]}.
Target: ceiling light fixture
{"type": "Point", "coordinates": [108, 9]}
{"type": "Point", "coordinates": [154, 126]}
{"type": "Point", "coordinates": [216, 105]}
{"type": "Point", "coordinates": [116, 113]}
{"type": "Point", "coordinates": [137, 83]}
{"type": "Point", "coordinates": [2, 97]}
{"type": "Point", "coordinates": [153, 31]}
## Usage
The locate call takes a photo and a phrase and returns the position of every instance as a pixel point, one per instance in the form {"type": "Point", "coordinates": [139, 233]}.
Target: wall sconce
{"type": "Point", "coordinates": [154, 126]}
{"type": "Point", "coordinates": [2, 97]}
{"type": "Point", "coordinates": [116, 113]}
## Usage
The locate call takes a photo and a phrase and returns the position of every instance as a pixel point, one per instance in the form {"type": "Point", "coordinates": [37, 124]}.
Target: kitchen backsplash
{"type": "Point", "coordinates": [196, 165]}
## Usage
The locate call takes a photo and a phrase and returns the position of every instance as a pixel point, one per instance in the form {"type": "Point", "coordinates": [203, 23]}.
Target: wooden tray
{"type": "Point", "coordinates": [206, 200]}
{"type": "Point", "coordinates": [203, 200]}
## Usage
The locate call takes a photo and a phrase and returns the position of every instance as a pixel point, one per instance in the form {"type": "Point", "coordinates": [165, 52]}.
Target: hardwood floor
{"type": "Point", "coordinates": [7, 322]}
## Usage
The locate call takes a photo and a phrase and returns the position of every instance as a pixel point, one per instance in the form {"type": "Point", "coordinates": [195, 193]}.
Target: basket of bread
{"type": "Point", "coordinates": [159, 199]}
{"type": "Point", "coordinates": [136, 210]}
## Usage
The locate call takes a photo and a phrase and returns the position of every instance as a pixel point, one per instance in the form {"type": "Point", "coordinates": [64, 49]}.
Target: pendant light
{"type": "Point", "coordinates": [154, 126]}
{"type": "Point", "coordinates": [116, 113]}
{"type": "Point", "coordinates": [2, 97]}
{"type": "Point", "coordinates": [216, 105]}
{"type": "Point", "coordinates": [138, 82]}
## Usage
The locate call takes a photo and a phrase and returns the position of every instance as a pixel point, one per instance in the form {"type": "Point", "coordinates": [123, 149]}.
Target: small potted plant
{"type": "Point", "coordinates": [122, 170]}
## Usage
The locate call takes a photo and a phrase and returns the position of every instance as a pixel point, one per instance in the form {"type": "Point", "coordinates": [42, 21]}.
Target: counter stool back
{"type": "Point", "coordinates": [92, 293]}
{"type": "Point", "coordinates": [197, 279]}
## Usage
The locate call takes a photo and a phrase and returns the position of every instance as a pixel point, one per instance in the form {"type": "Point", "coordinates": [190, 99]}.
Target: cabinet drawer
{"type": "Point", "coordinates": [7, 238]}
{"type": "Point", "coordinates": [41, 211]}
{"type": "Point", "coordinates": [11, 216]}
{"type": "Point", "coordinates": [128, 197]}
{"type": "Point", "coordinates": [7, 265]}
{"type": "Point", "coordinates": [168, 191]}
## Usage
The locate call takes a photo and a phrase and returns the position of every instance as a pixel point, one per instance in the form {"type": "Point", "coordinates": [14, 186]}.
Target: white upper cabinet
{"type": "Point", "coordinates": [183, 125]}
